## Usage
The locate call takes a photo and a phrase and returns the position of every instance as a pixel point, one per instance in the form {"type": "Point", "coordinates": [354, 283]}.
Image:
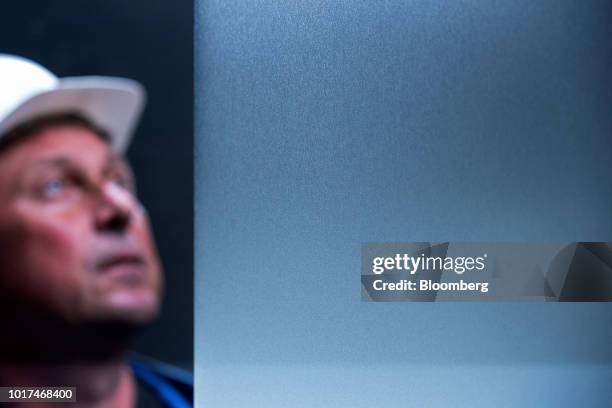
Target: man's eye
{"type": "Point", "coordinates": [54, 187]}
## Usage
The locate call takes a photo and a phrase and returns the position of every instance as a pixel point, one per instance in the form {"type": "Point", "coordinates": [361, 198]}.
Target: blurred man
{"type": "Point", "coordinates": [79, 271]}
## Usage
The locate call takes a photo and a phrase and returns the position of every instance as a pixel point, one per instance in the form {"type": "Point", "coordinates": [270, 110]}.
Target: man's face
{"type": "Point", "coordinates": [75, 243]}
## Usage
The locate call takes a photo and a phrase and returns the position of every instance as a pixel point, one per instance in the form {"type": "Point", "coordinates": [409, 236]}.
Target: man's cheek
{"type": "Point", "coordinates": [14, 255]}
{"type": "Point", "coordinates": [53, 263]}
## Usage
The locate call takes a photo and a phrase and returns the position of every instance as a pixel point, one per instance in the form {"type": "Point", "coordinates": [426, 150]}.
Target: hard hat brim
{"type": "Point", "coordinates": [112, 104]}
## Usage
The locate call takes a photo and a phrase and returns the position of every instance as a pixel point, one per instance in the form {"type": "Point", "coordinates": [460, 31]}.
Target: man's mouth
{"type": "Point", "coordinates": [119, 260]}
{"type": "Point", "coordinates": [129, 267]}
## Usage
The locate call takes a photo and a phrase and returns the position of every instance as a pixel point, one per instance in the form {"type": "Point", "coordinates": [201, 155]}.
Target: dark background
{"type": "Point", "coordinates": [150, 41]}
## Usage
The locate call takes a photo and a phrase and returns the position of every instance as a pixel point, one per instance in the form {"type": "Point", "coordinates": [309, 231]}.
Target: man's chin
{"type": "Point", "coordinates": [138, 307]}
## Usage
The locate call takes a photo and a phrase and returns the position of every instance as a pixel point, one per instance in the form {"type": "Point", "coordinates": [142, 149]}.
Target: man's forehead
{"type": "Point", "coordinates": [33, 126]}
{"type": "Point", "coordinates": [65, 145]}
{"type": "Point", "coordinates": [62, 140]}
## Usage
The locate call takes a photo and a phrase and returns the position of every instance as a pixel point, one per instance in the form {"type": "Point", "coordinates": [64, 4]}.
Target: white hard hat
{"type": "Point", "coordinates": [28, 91]}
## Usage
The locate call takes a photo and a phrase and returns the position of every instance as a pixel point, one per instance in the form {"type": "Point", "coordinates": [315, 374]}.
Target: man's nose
{"type": "Point", "coordinates": [114, 208]}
